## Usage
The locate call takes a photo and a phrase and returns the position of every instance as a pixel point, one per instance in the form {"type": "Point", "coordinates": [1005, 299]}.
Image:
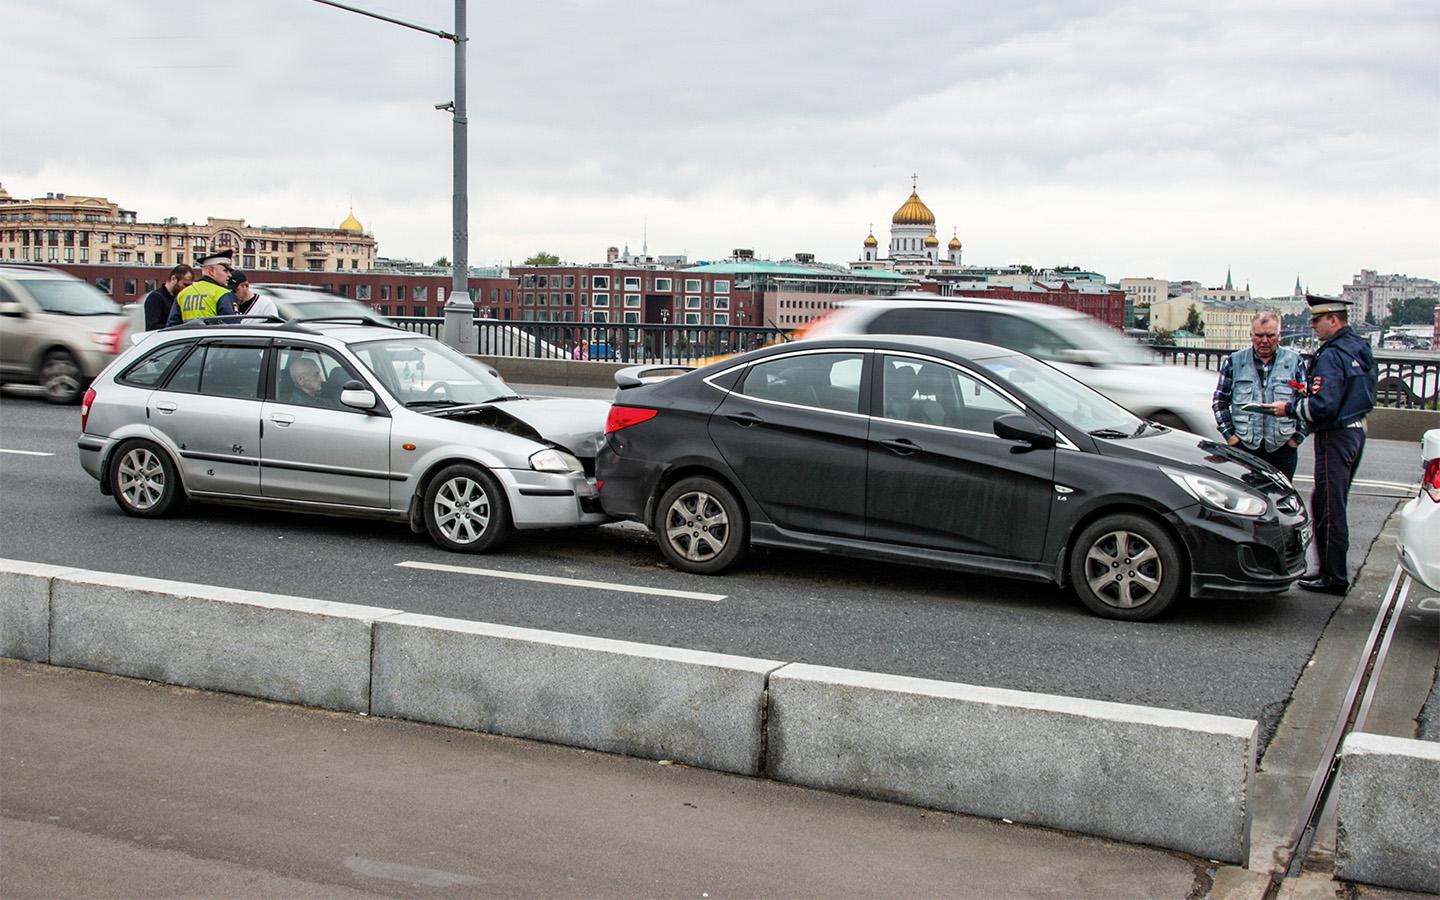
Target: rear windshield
{"type": "Point", "coordinates": [64, 297]}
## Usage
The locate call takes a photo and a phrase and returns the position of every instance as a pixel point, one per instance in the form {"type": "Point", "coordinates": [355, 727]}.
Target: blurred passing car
{"type": "Point", "coordinates": [1419, 542]}
{"type": "Point", "coordinates": [348, 419]}
{"type": "Point", "coordinates": [944, 453]}
{"type": "Point", "coordinates": [55, 331]}
{"type": "Point", "coordinates": [1070, 341]}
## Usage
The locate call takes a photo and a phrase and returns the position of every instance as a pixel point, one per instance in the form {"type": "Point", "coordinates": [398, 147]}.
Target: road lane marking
{"type": "Point", "coordinates": [570, 582]}
{"type": "Point", "coordinates": [25, 452]}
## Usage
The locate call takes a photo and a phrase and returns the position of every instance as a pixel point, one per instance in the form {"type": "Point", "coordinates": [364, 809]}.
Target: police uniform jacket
{"type": "Point", "coordinates": [204, 298]}
{"type": "Point", "coordinates": [1341, 384]}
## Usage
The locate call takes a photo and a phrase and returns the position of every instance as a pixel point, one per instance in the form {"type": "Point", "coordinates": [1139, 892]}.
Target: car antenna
{"type": "Point", "coordinates": [784, 335]}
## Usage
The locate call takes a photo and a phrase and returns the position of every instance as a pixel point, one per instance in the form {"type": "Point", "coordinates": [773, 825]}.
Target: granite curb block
{"type": "Point", "coordinates": [291, 649]}
{"type": "Point", "coordinates": [1139, 774]}
{"type": "Point", "coordinates": [702, 709]}
{"type": "Point", "coordinates": [1388, 812]}
{"type": "Point", "coordinates": [25, 608]}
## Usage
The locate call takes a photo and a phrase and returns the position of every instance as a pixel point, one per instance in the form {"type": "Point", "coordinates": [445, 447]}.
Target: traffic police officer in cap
{"type": "Point", "coordinates": [1339, 393]}
{"type": "Point", "coordinates": [209, 296]}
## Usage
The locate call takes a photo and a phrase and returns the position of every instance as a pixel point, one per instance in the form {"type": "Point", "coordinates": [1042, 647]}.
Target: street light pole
{"type": "Point", "coordinates": [459, 331]}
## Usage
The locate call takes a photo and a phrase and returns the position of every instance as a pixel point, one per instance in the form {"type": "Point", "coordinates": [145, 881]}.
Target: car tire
{"type": "Point", "coordinates": [466, 510]}
{"type": "Point", "coordinates": [144, 482]}
{"type": "Point", "coordinates": [61, 378]}
{"type": "Point", "coordinates": [1126, 566]}
{"type": "Point", "coordinates": [700, 526]}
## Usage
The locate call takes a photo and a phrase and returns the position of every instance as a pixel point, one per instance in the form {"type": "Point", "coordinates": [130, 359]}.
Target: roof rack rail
{"type": "Point", "coordinates": [237, 319]}
{"type": "Point", "coordinates": [358, 320]}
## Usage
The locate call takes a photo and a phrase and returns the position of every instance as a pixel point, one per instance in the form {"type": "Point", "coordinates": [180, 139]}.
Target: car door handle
{"type": "Point", "coordinates": [284, 420]}
{"type": "Point", "coordinates": [901, 446]}
{"type": "Point", "coordinates": [166, 407]}
{"type": "Point", "coordinates": [745, 419]}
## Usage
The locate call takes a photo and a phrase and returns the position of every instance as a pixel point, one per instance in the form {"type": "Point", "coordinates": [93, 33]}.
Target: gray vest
{"type": "Point", "coordinates": [1253, 428]}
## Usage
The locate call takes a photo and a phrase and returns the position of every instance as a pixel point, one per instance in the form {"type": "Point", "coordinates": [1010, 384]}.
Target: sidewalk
{"type": "Point", "coordinates": [116, 787]}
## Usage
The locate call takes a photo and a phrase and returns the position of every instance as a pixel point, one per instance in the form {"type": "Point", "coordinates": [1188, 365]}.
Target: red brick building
{"type": "Point", "coordinates": [1099, 301]}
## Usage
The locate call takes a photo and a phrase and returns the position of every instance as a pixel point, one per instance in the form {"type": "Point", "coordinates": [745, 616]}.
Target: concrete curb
{"type": "Point", "coordinates": [1041, 759]}
{"type": "Point", "coordinates": [1388, 812]}
{"type": "Point", "coordinates": [1139, 774]}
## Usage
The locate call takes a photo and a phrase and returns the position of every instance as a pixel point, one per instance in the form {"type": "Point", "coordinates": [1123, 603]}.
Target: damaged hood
{"type": "Point", "coordinates": [576, 424]}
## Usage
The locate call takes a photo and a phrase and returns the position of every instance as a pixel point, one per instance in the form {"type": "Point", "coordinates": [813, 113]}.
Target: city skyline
{"type": "Point", "coordinates": [1297, 139]}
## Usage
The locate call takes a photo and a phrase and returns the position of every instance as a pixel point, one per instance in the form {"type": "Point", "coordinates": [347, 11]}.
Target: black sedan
{"type": "Point", "coordinates": [944, 453]}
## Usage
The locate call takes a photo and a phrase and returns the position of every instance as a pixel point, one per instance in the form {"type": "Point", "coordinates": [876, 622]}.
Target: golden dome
{"type": "Point", "coordinates": [914, 212]}
{"type": "Point", "coordinates": [954, 243]}
{"type": "Point", "coordinates": [352, 224]}
{"type": "Point", "coordinates": [931, 240]}
{"type": "Point", "coordinates": [870, 241]}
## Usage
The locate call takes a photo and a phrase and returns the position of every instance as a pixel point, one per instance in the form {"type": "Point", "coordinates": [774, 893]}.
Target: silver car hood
{"type": "Point", "coordinates": [575, 424]}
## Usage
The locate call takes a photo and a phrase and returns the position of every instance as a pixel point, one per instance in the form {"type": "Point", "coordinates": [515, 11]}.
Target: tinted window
{"type": "Point", "coordinates": [823, 380]}
{"type": "Point", "coordinates": [220, 371]}
{"type": "Point", "coordinates": [70, 298]}
{"type": "Point", "coordinates": [306, 376]}
{"type": "Point", "coordinates": [928, 393]}
{"type": "Point", "coordinates": [1010, 332]}
{"type": "Point", "coordinates": [150, 369]}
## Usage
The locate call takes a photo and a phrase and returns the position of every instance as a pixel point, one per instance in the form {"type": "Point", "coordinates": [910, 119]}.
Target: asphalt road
{"type": "Point", "coordinates": [1238, 658]}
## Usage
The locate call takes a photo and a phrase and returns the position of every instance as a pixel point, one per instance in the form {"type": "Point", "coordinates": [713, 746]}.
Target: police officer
{"type": "Point", "coordinates": [1261, 373]}
{"type": "Point", "coordinates": [209, 296]}
{"type": "Point", "coordinates": [1340, 392]}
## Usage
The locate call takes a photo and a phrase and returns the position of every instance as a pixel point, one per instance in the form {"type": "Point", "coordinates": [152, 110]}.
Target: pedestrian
{"type": "Point", "coordinates": [1261, 373]}
{"type": "Point", "coordinates": [208, 296]}
{"type": "Point", "coordinates": [248, 301]}
{"type": "Point", "coordinates": [159, 301]}
{"type": "Point", "coordinates": [1340, 392]}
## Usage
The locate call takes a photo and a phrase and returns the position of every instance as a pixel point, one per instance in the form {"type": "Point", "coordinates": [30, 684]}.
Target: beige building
{"type": "Point", "coordinates": [68, 228]}
{"type": "Point", "coordinates": [1142, 292]}
{"type": "Point", "coordinates": [1227, 324]}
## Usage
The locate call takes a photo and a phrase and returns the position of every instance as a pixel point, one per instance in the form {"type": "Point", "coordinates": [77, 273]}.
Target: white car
{"type": "Point", "coordinates": [1419, 543]}
{"type": "Point", "coordinates": [1072, 342]}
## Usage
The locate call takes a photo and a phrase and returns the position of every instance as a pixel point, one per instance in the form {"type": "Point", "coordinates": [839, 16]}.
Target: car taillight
{"type": "Point", "coordinates": [625, 416]}
{"type": "Point", "coordinates": [1430, 479]}
{"type": "Point", "coordinates": [114, 338]}
{"type": "Point", "coordinates": [85, 407]}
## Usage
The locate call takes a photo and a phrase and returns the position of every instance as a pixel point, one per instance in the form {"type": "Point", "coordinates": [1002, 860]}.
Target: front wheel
{"type": "Point", "coordinates": [1126, 567]}
{"type": "Point", "coordinates": [143, 481]}
{"type": "Point", "coordinates": [465, 510]}
{"type": "Point", "coordinates": [61, 378]}
{"type": "Point", "coordinates": [700, 526]}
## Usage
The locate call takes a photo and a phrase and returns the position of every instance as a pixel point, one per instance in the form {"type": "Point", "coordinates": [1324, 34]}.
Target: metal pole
{"type": "Point", "coordinates": [459, 308]}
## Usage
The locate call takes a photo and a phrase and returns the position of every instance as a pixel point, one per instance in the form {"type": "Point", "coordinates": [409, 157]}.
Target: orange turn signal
{"type": "Point", "coordinates": [407, 446]}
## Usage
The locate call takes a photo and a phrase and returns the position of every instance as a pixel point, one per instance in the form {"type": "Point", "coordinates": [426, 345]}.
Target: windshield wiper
{"type": "Point", "coordinates": [1144, 425]}
{"type": "Point", "coordinates": [423, 404]}
{"type": "Point", "coordinates": [1113, 433]}
{"type": "Point", "coordinates": [503, 398]}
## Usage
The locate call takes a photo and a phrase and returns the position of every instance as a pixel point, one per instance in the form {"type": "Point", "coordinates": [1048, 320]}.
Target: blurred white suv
{"type": "Point", "coordinates": [1072, 342]}
{"type": "Point", "coordinates": [55, 331]}
{"type": "Point", "coordinates": [1419, 543]}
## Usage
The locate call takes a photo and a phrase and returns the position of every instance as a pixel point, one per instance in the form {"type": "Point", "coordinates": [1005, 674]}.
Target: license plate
{"type": "Point", "coordinates": [1307, 534]}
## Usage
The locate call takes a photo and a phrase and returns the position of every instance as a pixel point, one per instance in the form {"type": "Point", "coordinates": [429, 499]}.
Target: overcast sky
{"type": "Point", "coordinates": [1170, 139]}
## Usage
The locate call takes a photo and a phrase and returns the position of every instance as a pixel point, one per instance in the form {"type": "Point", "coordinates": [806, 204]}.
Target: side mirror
{"type": "Point", "coordinates": [356, 395]}
{"type": "Point", "coordinates": [1022, 428]}
{"type": "Point", "coordinates": [12, 308]}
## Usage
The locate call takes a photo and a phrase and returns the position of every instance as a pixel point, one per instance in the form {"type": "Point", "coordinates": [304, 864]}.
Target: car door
{"type": "Point", "coordinates": [794, 433]}
{"type": "Point", "coordinates": [17, 333]}
{"type": "Point", "coordinates": [314, 447]}
{"type": "Point", "coordinates": [937, 475]}
{"type": "Point", "coordinates": [209, 410]}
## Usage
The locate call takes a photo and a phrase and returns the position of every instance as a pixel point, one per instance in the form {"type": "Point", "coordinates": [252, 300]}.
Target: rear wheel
{"type": "Point", "coordinates": [1127, 567]}
{"type": "Point", "coordinates": [143, 481]}
{"type": "Point", "coordinates": [700, 526]}
{"type": "Point", "coordinates": [61, 378]}
{"type": "Point", "coordinates": [465, 510]}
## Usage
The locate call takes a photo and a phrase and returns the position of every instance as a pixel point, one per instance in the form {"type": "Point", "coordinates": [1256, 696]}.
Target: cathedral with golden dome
{"type": "Point", "coordinates": [913, 242]}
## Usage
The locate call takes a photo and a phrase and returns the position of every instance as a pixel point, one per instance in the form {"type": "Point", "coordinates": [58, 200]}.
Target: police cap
{"type": "Point", "coordinates": [1321, 305]}
{"type": "Point", "coordinates": [217, 258]}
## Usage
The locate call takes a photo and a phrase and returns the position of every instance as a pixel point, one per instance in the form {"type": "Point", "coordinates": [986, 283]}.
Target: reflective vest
{"type": "Point", "coordinates": [1257, 430]}
{"type": "Point", "coordinates": [200, 300]}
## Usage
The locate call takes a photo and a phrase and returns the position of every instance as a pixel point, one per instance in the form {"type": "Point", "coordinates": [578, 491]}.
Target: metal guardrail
{"type": "Point", "coordinates": [1406, 381]}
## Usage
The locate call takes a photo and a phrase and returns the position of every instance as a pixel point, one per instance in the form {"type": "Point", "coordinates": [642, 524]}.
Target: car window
{"type": "Point", "coordinates": [309, 376]}
{"type": "Point", "coordinates": [1013, 332]}
{"type": "Point", "coordinates": [1063, 396]}
{"type": "Point", "coordinates": [1018, 333]}
{"type": "Point", "coordinates": [220, 370]}
{"type": "Point", "coordinates": [150, 369]}
{"type": "Point", "coordinates": [929, 393]}
{"type": "Point", "coordinates": [422, 372]}
{"type": "Point", "coordinates": [66, 297]}
{"type": "Point", "coordinates": [822, 380]}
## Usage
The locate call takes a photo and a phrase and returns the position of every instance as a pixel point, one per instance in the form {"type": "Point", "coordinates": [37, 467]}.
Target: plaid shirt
{"type": "Point", "coordinates": [1220, 403]}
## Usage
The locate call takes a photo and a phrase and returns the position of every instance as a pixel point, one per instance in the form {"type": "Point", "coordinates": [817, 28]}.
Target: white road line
{"type": "Point", "coordinates": [1396, 485]}
{"type": "Point", "coordinates": [571, 582]}
{"type": "Point", "coordinates": [25, 452]}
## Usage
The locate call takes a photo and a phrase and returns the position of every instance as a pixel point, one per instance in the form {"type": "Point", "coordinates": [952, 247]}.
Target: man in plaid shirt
{"type": "Point", "coordinates": [1261, 373]}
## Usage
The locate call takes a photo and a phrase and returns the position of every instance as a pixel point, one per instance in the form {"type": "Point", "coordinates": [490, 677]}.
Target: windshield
{"type": "Point", "coordinates": [1087, 335]}
{"type": "Point", "coordinates": [70, 298]}
{"type": "Point", "coordinates": [421, 371]}
{"type": "Point", "coordinates": [1076, 404]}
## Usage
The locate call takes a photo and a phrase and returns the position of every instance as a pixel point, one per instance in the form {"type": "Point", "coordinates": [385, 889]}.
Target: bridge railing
{"type": "Point", "coordinates": [1406, 380]}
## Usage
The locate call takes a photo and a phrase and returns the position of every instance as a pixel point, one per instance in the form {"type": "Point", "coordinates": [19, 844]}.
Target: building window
{"type": "Point", "coordinates": [104, 256]}
{"type": "Point", "coordinates": [383, 309]}
{"type": "Point", "coordinates": [569, 299]}
{"type": "Point", "coordinates": [584, 281]}
{"type": "Point", "coordinates": [632, 282]}
{"type": "Point", "coordinates": [692, 302]}
{"type": "Point", "coordinates": [722, 302]}
{"type": "Point", "coordinates": [384, 292]}
{"type": "Point", "coordinates": [399, 292]}
{"type": "Point", "coordinates": [632, 317]}
{"type": "Point", "coordinates": [692, 284]}
{"type": "Point", "coordinates": [421, 293]}
{"type": "Point", "coordinates": [632, 300]}
{"type": "Point", "coordinates": [569, 281]}
{"type": "Point", "coordinates": [600, 300]}
{"type": "Point", "coordinates": [600, 315]}
{"type": "Point", "coordinates": [722, 318]}
{"type": "Point", "coordinates": [663, 285]}
{"type": "Point", "coordinates": [692, 318]}
{"type": "Point", "coordinates": [529, 299]}
{"type": "Point", "coordinates": [721, 286]}
{"type": "Point", "coordinates": [149, 285]}
{"type": "Point", "coordinates": [601, 281]}
{"type": "Point", "coordinates": [555, 298]}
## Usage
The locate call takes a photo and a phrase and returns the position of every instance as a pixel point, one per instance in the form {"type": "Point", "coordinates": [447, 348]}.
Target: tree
{"type": "Point", "coordinates": [1193, 323]}
{"type": "Point", "coordinates": [1164, 338]}
{"type": "Point", "coordinates": [543, 258]}
{"type": "Point", "coordinates": [443, 262]}
{"type": "Point", "coordinates": [1412, 311]}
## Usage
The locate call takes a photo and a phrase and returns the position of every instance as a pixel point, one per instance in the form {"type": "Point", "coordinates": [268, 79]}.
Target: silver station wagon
{"type": "Point", "coordinates": [344, 417]}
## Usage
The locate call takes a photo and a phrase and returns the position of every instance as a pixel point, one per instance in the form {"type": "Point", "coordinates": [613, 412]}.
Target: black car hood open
{"type": "Point", "coordinates": [1190, 451]}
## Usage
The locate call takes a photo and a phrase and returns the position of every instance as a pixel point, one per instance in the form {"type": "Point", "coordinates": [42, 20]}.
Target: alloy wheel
{"type": "Point", "coordinates": [1123, 569]}
{"type": "Point", "coordinates": [696, 526]}
{"type": "Point", "coordinates": [141, 479]}
{"type": "Point", "coordinates": [462, 510]}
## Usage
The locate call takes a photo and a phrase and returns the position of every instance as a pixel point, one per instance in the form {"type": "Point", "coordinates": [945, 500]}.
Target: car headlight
{"type": "Point", "coordinates": [553, 460]}
{"type": "Point", "coordinates": [1217, 494]}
